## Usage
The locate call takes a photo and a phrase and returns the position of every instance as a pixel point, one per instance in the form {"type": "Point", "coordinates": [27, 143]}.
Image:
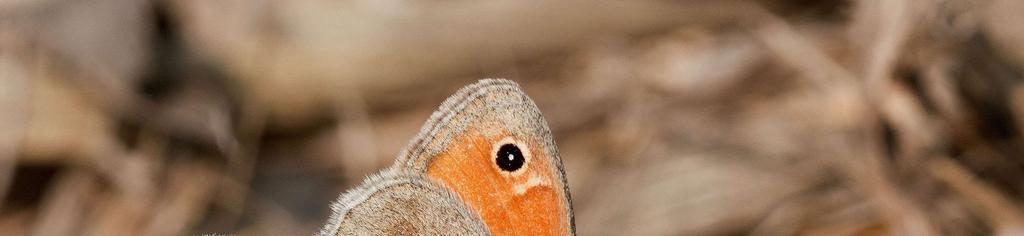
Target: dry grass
{"type": "Point", "coordinates": [770, 117]}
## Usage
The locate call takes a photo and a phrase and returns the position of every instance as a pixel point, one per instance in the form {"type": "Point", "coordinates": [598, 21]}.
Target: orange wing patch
{"type": "Point", "coordinates": [527, 204]}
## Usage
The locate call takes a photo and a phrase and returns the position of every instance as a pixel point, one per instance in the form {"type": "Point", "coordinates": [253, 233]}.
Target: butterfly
{"type": "Point", "coordinates": [484, 163]}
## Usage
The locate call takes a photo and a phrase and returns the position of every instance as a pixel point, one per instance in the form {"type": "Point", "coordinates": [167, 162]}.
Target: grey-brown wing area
{"type": "Point", "coordinates": [397, 204]}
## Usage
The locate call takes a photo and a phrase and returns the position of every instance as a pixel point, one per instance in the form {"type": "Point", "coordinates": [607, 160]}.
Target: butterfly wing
{"type": "Point", "coordinates": [401, 204]}
{"type": "Point", "coordinates": [461, 147]}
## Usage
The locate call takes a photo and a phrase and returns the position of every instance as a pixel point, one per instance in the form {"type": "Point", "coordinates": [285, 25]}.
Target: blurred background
{"type": "Point", "coordinates": [673, 117]}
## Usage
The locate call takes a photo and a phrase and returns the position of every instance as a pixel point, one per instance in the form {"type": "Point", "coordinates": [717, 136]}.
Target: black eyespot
{"type": "Point", "coordinates": [509, 158]}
